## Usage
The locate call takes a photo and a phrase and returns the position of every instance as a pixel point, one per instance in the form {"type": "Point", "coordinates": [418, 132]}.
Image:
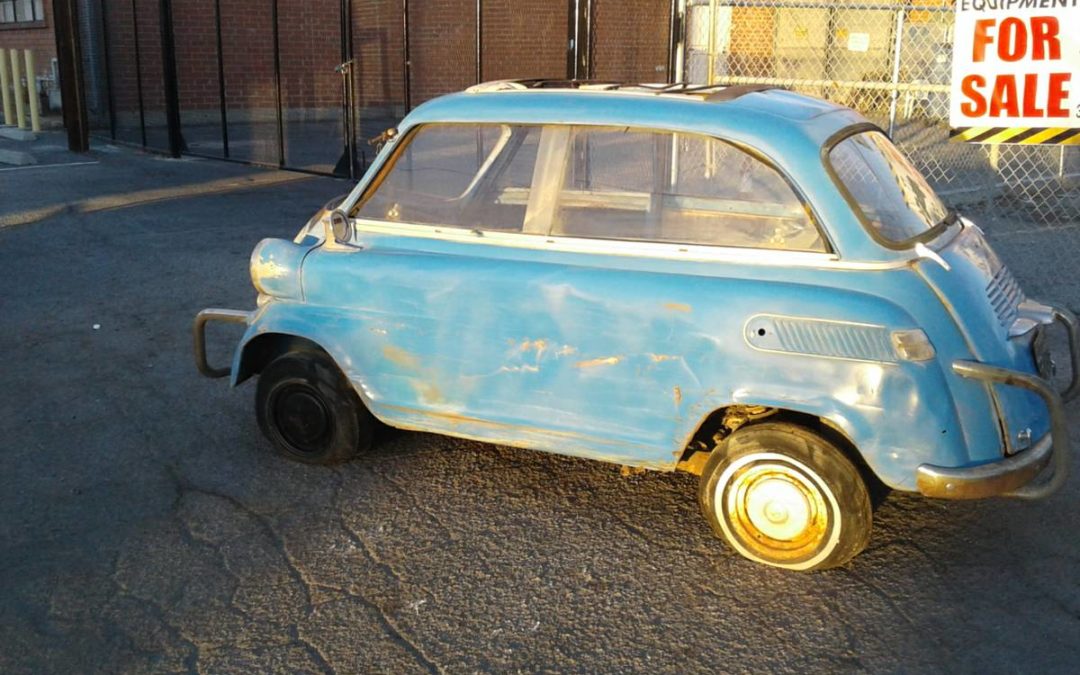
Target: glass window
{"type": "Point", "coordinates": [680, 188]}
{"type": "Point", "coordinates": [21, 11]}
{"type": "Point", "coordinates": [893, 196]}
{"type": "Point", "coordinates": [458, 175]}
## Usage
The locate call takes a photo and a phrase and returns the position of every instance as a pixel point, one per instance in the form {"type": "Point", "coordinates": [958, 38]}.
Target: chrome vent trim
{"type": "Point", "coordinates": [1005, 296]}
{"type": "Point", "coordinates": [819, 337]}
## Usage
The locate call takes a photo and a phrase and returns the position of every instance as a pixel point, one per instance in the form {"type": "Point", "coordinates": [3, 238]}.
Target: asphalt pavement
{"type": "Point", "coordinates": [146, 525]}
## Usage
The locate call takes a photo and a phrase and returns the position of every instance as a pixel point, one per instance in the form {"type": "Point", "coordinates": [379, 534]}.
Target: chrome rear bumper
{"type": "Point", "coordinates": [1015, 476]}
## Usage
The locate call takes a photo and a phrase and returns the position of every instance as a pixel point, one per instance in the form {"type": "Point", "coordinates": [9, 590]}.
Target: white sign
{"type": "Point", "coordinates": [858, 42]}
{"type": "Point", "coordinates": [1016, 63]}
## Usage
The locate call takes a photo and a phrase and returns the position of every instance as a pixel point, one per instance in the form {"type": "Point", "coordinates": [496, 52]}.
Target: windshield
{"type": "Point", "coordinates": [894, 198]}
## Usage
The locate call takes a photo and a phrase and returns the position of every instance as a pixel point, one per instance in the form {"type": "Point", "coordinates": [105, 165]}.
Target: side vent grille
{"type": "Point", "coordinates": [837, 339]}
{"type": "Point", "coordinates": [1005, 295]}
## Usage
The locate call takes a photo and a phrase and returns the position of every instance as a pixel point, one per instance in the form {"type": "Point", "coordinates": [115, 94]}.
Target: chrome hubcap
{"type": "Point", "coordinates": [778, 509]}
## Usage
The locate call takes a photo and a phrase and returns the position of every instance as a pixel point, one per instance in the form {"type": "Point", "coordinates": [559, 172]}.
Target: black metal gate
{"type": "Point", "coordinates": [301, 84]}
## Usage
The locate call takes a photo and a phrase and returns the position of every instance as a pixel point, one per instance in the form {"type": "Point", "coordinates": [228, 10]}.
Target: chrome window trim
{"type": "Point", "coordinates": [622, 247]}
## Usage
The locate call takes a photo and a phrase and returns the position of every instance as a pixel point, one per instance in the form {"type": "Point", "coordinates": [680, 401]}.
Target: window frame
{"type": "Point", "coordinates": [34, 21]}
{"type": "Point", "coordinates": [853, 204]}
{"type": "Point", "coordinates": [634, 246]}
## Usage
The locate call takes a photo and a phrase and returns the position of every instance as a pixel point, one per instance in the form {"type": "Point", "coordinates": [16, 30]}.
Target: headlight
{"type": "Point", "coordinates": [275, 268]}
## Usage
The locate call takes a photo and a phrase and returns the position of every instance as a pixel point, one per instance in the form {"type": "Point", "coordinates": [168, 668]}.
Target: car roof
{"type": "Point", "coordinates": [754, 114]}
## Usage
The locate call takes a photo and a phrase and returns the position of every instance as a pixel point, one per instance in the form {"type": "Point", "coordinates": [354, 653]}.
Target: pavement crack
{"type": "Point", "coordinates": [313, 650]}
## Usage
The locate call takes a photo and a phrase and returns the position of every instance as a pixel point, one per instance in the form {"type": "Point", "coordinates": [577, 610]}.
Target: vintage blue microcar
{"type": "Point", "coordinates": [748, 284]}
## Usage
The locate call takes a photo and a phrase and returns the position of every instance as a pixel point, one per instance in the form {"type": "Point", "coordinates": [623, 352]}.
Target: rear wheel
{"type": "Point", "coordinates": [309, 411]}
{"type": "Point", "coordinates": [781, 495]}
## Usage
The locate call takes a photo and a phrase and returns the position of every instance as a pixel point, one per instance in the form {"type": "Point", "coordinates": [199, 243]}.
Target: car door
{"type": "Point", "coordinates": [546, 303]}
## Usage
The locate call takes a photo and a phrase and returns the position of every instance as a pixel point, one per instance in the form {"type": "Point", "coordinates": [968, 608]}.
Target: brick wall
{"type": "Point", "coordinates": [630, 40]}
{"type": "Point", "coordinates": [38, 37]}
{"type": "Point", "coordinates": [522, 38]}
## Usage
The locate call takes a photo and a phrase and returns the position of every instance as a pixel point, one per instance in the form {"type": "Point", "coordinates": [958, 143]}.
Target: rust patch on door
{"type": "Point", "coordinates": [400, 357]}
{"type": "Point", "coordinates": [677, 393]}
{"type": "Point", "coordinates": [603, 361]}
{"type": "Point", "coordinates": [678, 307]}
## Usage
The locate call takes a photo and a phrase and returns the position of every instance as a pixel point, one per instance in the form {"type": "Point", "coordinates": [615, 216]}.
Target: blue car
{"type": "Point", "coordinates": [745, 283]}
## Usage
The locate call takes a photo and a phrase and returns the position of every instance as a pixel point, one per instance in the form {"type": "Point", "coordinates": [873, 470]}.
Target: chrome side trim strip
{"type": "Point", "coordinates": [619, 247]}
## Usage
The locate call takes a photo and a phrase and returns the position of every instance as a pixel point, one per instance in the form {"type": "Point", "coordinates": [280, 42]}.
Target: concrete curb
{"type": "Point", "coordinates": [16, 157]}
{"type": "Point", "coordinates": [125, 200]}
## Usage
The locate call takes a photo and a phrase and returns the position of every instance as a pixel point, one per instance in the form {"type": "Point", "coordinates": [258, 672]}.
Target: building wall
{"type": "Point", "coordinates": [38, 37]}
{"type": "Point", "coordinates": [521, 39]}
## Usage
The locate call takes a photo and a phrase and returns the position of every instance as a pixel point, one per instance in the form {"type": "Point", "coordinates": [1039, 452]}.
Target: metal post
{"type": "Point", "coordinates": [138, 70]}
{"type": "Point", "coordinates": [31, 90]}
{"type": "Point", "coordinates": [675, 41]}
{"type": "Point", "coordinates": [108, 67]}
{"type": "Point", "coordinates": [277, 85]}
{"type": "Point", "coordinates": [479, 41]}
{"type": "Point", "coordinates": [221, 81]}
{"type": "Point", "coordinates": [347, 164]}
{"type": "Point", "coordinates": [407, 65]}
{"type": "Point", "coordinates": [168, 71]}
{"type": "Point", "coordinates": [579, 40]}
{"type": "Point", "coordinates": [898, 44]}
{"type": "Point", "coordinates": [16, 79]}
{"type": "Point", "coordinates": [5, 89]}
{"type": "Point", "coordinates": [72, 87]}
{"type": "Point", "coordinates": [711, 72]}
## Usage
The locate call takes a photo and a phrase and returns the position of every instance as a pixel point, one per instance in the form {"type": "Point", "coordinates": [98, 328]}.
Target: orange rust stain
{"type": "Point", "coordinates": [678, 307]}
{"type": "Point", "coordinates": [592, 363]}
{"type": "Point", "coordinates": [566, 350]}
{"type": "Point", "coordinates": [658, 358]}
{"type": "Point", "coordinates": [428, 392]}
{"type": "Point", "coordinates": [677, 391]}
{"type": "Point", "coordinates": [533, 345]}
{"type": "Point", "coordinates": [400, 357]}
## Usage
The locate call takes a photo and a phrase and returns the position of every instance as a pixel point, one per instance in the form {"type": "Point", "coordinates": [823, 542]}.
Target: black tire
{"type": "Point", "coordinates": [781, 495]}
{"type": "Point", "coordinates": [309, 411]}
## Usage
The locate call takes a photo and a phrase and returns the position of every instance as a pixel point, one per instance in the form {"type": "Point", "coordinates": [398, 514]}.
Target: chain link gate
{"type": "Point", "coordinates": [892, 62]}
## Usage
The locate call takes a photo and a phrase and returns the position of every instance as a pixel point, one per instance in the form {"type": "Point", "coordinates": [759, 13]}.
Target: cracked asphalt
{"type": "Point", "coordinates": [146, 526]}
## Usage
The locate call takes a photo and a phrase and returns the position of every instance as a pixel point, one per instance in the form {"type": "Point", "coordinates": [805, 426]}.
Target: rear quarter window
{"type": "Point", "coordinates": [890, 195]}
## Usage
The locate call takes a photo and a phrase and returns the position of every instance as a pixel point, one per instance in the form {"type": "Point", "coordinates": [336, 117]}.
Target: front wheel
{"type": "Point", "coordinates": [782, 495]}
{"type": "Point", "coordinates": [309, 411]}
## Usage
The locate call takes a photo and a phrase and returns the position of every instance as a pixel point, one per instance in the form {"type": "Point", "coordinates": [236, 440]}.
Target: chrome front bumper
{"type": "Point", "coordinates": [198, 330]}
{"type": "Point", "coordinates": [1015, 476]}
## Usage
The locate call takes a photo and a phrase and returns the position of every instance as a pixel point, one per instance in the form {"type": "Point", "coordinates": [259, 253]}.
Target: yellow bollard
{"type": "Point", "coordinates": [16, 82]}
{"type": "Point", "coordinates": [5, 89]}
{"type": "Point", "coordinates": [31, 91]}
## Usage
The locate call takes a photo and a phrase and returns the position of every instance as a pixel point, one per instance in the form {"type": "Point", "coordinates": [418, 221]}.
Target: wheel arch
{"type": "Point", "coordinates": [831, 430]}
{"type": "Point", "coordinates": [256, 353]}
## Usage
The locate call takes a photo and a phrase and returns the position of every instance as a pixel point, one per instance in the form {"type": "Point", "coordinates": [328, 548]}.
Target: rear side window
{"type": "Point", "coordinates": [892, 196]}
{"type": "Point", "coordinates": [677, 188]}
{"type": "Point", "coordinates": [475, 177]}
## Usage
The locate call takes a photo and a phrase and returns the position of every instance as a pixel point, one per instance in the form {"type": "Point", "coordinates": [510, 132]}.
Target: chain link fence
{"type": "Point", "coordinates": [892, 62]}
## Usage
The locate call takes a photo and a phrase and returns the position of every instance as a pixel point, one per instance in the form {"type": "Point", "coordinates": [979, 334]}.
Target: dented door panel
{"type": "Point", "coordinates": [622, 358]}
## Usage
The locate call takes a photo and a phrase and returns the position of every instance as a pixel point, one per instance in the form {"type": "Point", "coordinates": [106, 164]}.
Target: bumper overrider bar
{"type": "Point", "coordinates": [198, 330]}
{"type": "Point", "coordinates": [1015, 476]}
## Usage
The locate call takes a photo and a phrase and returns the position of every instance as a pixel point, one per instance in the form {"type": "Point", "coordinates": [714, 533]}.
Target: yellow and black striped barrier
{"type": "Point", "coordinates": [1020, 135]}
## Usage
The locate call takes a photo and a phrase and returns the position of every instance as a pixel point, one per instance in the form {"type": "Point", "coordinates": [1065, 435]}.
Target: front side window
{"type": "Point", "coordinates": [475, 177]}
{"type": "Point", "coordinates": [893, 197]}
{"type": "Point", "coordinates": [590, 182]}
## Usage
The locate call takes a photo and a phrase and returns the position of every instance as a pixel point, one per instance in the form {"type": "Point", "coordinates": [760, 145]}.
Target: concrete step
{"type": "Point", "coordinates": [17, 134]}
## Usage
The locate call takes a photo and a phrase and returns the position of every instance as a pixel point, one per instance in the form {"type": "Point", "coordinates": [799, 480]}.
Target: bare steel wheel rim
{"type": "Point", "coordinates": [777, 510]}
